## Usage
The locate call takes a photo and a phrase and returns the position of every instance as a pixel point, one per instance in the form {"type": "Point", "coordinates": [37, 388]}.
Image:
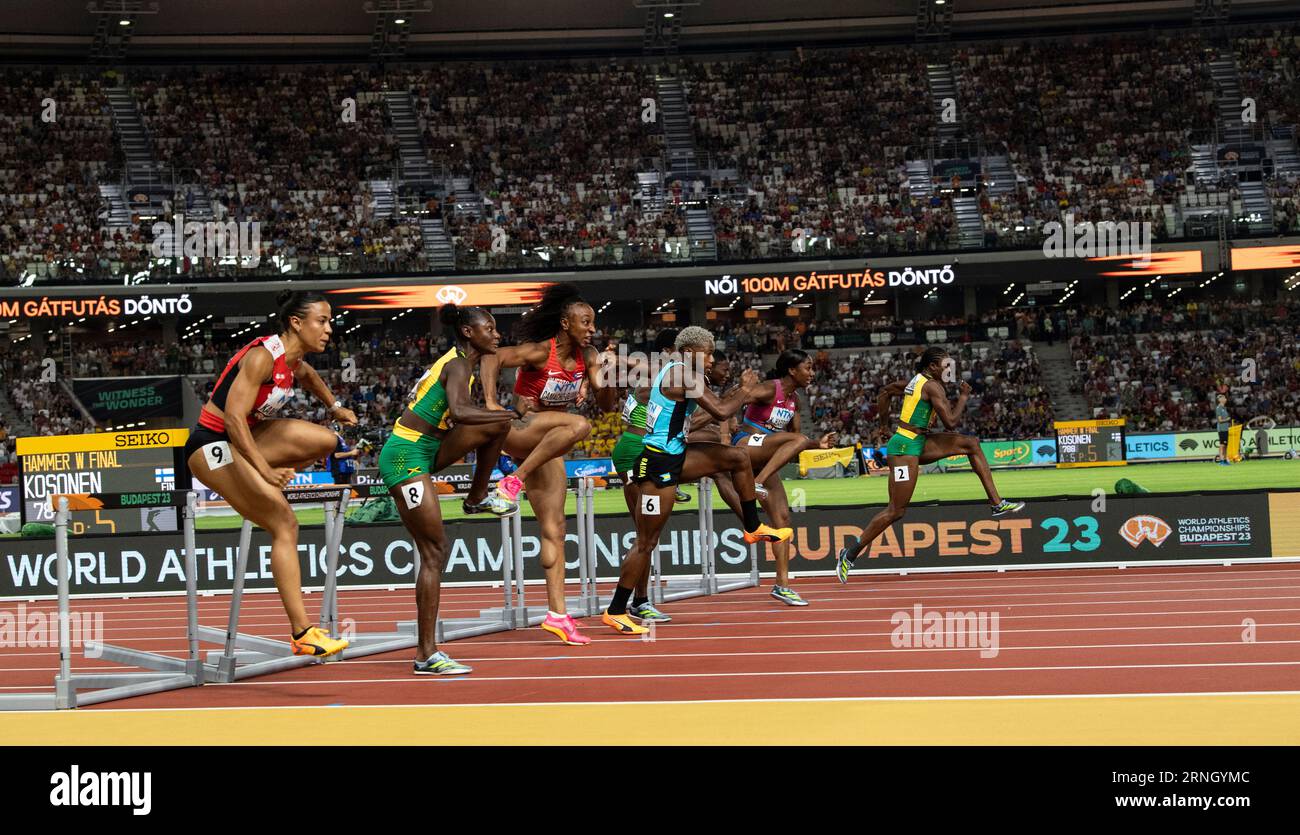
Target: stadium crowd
{"type": "Point", "coordinates": [540, 172]}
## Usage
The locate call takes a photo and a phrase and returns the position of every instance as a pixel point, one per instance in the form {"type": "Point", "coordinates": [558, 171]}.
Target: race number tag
{"type": "Point", "coordinates": [217, 454]}
{"type": "Point", "coordinates": [413, 494]}
{"type": "Point", "coordinates": [901, 474]}
{"type": "Point", "coordinates": [650, 505]}
{"type": "Point", "coordinates": [756, 439]}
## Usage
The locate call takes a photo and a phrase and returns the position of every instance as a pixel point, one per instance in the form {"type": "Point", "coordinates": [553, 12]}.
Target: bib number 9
{"type": "Point", "coordinates": [217, 454]}
{"type": "Point", "coordinates": [756, 439]}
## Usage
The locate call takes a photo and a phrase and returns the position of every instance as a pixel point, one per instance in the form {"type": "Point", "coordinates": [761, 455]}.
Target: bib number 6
{"type": "Point", "coordinates": [650, 505]}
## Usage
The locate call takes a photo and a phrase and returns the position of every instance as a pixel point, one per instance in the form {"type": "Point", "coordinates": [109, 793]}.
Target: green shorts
{"type": "Point", "coordinates": [900, 444]}
{"type": "Point", "coordinates": [626, 451]}
{"type": "Point", "coordinates": [402, 460]}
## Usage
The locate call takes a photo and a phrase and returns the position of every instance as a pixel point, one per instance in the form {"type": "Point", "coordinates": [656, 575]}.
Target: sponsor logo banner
{"type": "Point", "coordinates": [1151, 446]}
{"type": "Point", "coordinates": [1155, 263]}
{"type": "Point", "coordinates": [1284, 523]}
{"type": "Point", "coordinates": [811, 459]}
{"type": "Point", "coordinates": [116, 399]}
{"type": "Point", "coordinates": [589, 467]}
{"type": "Point", "coordinates": [437, 295]}
{"type": "Point", "coordinates": [999, 454]}
{"type": "Point", "coordinates": [935, 536]}
{"type": "Point", "coordinates": [9, 499]}
{"type": "Point", "coordinates": [1266, 257]}
{"type": "Point", "coordinates": [1044, 451]}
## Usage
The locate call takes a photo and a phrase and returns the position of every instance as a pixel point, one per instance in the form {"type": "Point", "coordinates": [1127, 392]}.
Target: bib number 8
{"type": "Point", "coordinates": [413, 494]}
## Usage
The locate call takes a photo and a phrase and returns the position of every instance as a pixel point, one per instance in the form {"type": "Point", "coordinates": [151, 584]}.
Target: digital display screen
{"type": "Point", "coordinates": [1092, 443]}
{"type": "Point", "coordinates": [122, 470]}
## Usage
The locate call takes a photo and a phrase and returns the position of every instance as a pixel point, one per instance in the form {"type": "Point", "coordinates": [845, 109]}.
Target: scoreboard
{"type": "Point", "coordinates": [147, 461]}
{"type": "Point", "coordinates": [1090, 443]}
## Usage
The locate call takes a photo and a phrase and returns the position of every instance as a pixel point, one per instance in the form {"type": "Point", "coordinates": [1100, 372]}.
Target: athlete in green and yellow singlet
{"type": "Point", "coordinates": [913, 444]}
{"type": "Point", "coordinates": [439, 427]}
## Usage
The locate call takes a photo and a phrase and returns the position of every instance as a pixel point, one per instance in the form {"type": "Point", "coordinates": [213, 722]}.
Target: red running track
{"type": "Point", "coordinates": [1070, 632]}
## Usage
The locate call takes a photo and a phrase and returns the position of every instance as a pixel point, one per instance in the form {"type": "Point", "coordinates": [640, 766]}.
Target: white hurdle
{"type": "Point", "coordinates": [662, 590]}
{"type": "Point", "coordinates": [168, 672]}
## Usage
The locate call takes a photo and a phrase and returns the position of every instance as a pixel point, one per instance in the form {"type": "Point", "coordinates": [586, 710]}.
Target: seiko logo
{"type": "Point", "coordinates": [141, 439]}
{"type": "Point", "coordinates": [451, 294]}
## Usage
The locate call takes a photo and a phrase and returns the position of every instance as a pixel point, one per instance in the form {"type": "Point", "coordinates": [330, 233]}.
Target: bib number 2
{"type": "Point", "coordinates": [902, 474]}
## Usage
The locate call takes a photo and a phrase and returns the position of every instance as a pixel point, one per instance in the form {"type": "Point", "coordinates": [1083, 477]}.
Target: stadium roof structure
{"type": "Point", "coordinates": [345, 29]}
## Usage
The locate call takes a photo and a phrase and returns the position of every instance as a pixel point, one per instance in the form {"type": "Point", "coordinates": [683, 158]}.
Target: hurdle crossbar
{"type": "Point", "coordinates": [166, 672]}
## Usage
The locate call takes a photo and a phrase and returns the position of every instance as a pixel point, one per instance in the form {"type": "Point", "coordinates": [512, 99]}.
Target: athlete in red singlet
{"type": "Point", "coordinates": [769, 432]}
{"type": "Point", "coordinates": [557, 364]}
{"type": "Point", "coordinates": [248, 456]}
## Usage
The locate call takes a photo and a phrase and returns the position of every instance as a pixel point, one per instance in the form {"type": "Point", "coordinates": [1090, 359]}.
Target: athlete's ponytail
{"type": "Point", "coordinates": [790, 359]}
{"type": "Point", "coordinates": [928, 356]}
{"type": "Point", "coordinates": [543, 322]}
{"type": "Point", "coordinates": [454, 317]}
{"type": "Point", "coordinates": [290, 303]}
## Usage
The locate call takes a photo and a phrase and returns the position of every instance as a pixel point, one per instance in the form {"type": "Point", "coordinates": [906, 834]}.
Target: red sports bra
{"type": "Point", "coordinates": [553, 386]}
{"type": "Point", "coordinates": [271, 397]}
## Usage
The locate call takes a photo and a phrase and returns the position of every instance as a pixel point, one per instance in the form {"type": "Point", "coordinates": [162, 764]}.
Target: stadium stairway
{"type": "Point", "coordinates": [969, 225]}
{"type": "Point", "coordinates": [1256, 206]}
{"type": "Point", "coordinates": [383, 202]}
{"type": "Point", "coordinates": [15, 420]}
{"type": "Point", "coordinates": [1204, 165]}
{"type": "Point", "coordinates": [683, 163]}
{"type": "Point", "coordinates": [919, 184]}
{"type": "Point", "coordinates": [416, 170]}
{"type": "Point", "coordinates": [1057, 369]}
{"type": "Point", "coordinates": [942, 86]}
{"type": "Point", "coordinates": [1282, 148]}
{"type": "Point", "coordinates": [437, 244]}
{"type": "Point", "coordinates": [118, 216]}
{"type": "Point", "coordinates": [999, 175]}
{"type": "Point", "coordinates": [699, 228]}
{"type": "Point", "coordinates": [675, 118]}
{"type": "Point", "coordinates": [651, 187]}
{"type": "Point", "coordinates": [1227, 100]}
{"type": "Point", "coordinates": [468, 200]}
{"type": "Point", "coordinates": [143, 174]}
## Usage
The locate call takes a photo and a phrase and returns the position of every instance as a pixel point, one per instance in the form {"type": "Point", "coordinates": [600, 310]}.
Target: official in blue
{"type": "Point", "coordinates": [342, 461]}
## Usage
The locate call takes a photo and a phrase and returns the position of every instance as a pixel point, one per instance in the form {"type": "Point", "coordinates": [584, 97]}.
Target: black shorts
{"type": "Point", "coordinates": [662, 468]}
{"type": "Point", "coordinates": [200, 436]}
{"type": "Point", "coordinates": [1223, 436]}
